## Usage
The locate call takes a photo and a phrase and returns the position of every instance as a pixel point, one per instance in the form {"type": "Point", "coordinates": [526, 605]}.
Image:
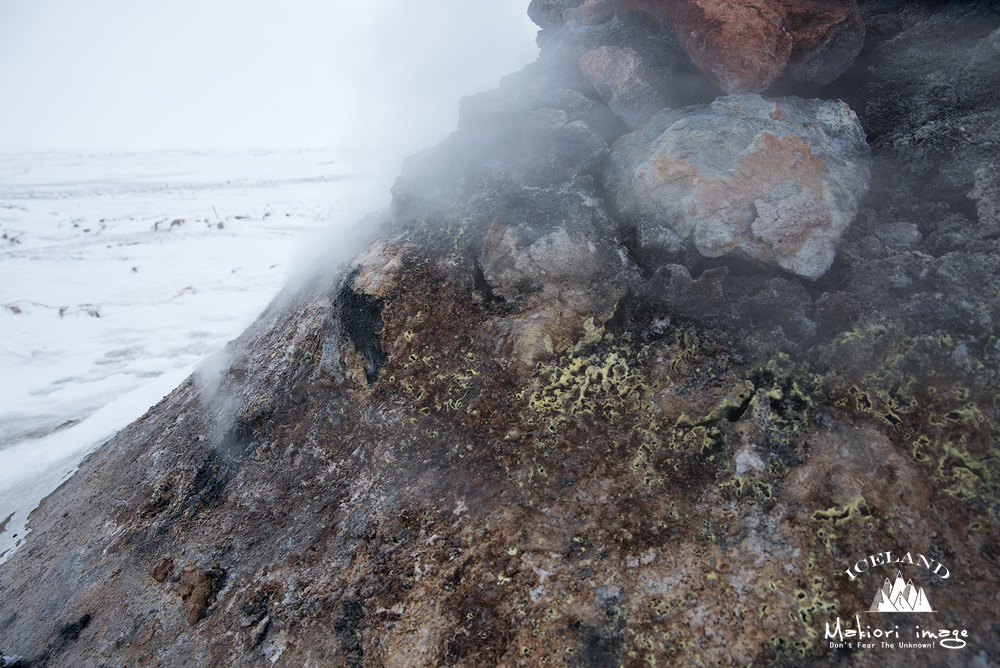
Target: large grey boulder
{"type": "Point", "coordinates": [778, 181]}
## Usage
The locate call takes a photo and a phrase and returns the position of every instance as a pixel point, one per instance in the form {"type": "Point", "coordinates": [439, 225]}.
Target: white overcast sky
{"type": "Point", "coordinates": [146, 74]}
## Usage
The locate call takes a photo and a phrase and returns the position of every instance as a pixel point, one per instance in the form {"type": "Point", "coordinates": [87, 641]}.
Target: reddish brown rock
{"type": "Point", "coordinates": [163, 568]}
{"type": "Point", "coordinates": [826, 38]}
{"type": "Point", "coordinates": [195, 589]}
{"type": "Point", "coordinates": [745, 46]}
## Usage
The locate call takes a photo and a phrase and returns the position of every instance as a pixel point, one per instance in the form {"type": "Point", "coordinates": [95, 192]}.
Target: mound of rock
{"type": "Point", "coordinates": [583, 406]}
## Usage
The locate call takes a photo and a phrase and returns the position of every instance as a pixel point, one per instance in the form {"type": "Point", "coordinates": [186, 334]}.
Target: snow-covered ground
{"type": "Point", "coordinates": [120, 272]}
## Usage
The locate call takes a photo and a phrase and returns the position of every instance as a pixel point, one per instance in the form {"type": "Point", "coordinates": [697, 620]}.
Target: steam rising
{"type": "Point", "coordinates": [112, 75]}
{"type": "Point", "coordinates": [188, 74]}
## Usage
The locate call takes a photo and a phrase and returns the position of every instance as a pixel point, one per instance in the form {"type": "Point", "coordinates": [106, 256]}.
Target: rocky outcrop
{"type": "Point", "coordinates": [507, 433]}
{"type": "Point", "coordinates": [777, 181]}
{"type": "Point", "coordinates": [625, 83]}
{"type": "Point", "coordinates": [548, 14]}
{"type": "Point", "coordinates": [941, 132]}
{"type": "Point", "coordinates": [744, 47]}
{"type": "Point", "coordinates": [578, 107]}
{"type": "Point", "coordinates": [659, 57]}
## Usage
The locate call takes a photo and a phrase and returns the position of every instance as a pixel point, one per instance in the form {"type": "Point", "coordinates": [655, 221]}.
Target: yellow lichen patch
{"type": "Point", "coordinates": [967, 474]}
{"type": "Point", "coordinates": [750, 489]}
{"type": "Point", "coordinates": [812, 605]}
{"type": "Point", "coordinates": [433, 360]}
{"type": "Point", "coordinates": [934, 392]}
{"type": "Point", "coordinates": [602, 383]}
{"type": "Point", "coordinates": [856, 509]}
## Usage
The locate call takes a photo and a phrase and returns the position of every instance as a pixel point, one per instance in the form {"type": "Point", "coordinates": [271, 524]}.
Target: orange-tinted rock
{"type": "Point", "coordinates": [777, 181]}
{"type": "Point", "coordinates": [745, 46]}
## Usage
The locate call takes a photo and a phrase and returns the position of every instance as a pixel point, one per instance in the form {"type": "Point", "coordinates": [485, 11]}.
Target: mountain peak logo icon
{"type": "Point", "coordinates": [900, 596]}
